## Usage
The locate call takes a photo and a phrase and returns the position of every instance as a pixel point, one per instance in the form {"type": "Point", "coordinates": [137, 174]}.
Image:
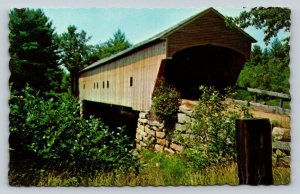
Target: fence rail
{"type": "Point", "coordinates": [282, 96]}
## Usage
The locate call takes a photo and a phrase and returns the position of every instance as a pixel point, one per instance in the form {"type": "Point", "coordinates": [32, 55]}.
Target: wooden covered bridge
{"type": "Point", "coordinates": [200, 50]}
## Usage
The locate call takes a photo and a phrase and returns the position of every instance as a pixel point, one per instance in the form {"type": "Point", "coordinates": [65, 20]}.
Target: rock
{"type": "Point", "coordinates": [143, 121]}
{"type": "Point", "coordinates": [284, 161]}
{"type": "Point", "coordinates": [143, 115]}
{"type": "Point", "coordinates": [180, 127]}
{"type": "Point", "coordinates": [183, 118]}
{"type": "Point", "coordinates": [186, 110]}
{"type": "Point", "coordinates": [281, 134]}
{"type": "Point", "coordinates": [280, 153]}
{"type": "Point", "coordinates": [158, 148]}
{"type": "Point", "coordinates": [281, 145]}
{"type": "Point", "coordinates": [138, 146]}
{"type": "Point", "coordinates": [138, 136]}
{"type": "Point", "coordinates": [143, 133]}
{"type": "Point", "coordinates": [160, 134]}
{"type": "Point", "coordinates": [161, 126]}
{"type": "Point", "coordinates": [146, 138]}
{"type": "Point", "coordinates": [141, 127]}
{"type": "Point", "coordinates": [154, 123]}
{"type": "Point", "coordinates": [169, 151]}
{"type": "Point", "coordinates": [167, 143]}
{"type": "Point", "coordinates": [274, 160]}
{"type": "Point", "coordinates": [143, 144]}
{"type": "Point", "coordinates": [149, 131]}
{"type": "Point", "coordinates": [176, 147]}
{"type": "Point", "coordinates": [161, 141]}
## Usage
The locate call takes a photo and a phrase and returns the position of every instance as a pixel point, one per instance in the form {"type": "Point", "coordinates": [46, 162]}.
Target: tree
{"type": "Point", "coordinates": [267, 70]}
{"type": "Point", "coordinates": [112, 46]}
{"type": "Point", "coordinates": [74, 53]}
{"type": "Point", "coordinates": [271, 20]}
{"type": "Point", "coordinates": [32, 50]}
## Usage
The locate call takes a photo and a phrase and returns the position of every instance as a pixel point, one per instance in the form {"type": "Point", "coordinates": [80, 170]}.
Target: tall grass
{"type": "Point", "coordinates": [148, 177]}
{"type": "Point", "coordinates": [159, 170]}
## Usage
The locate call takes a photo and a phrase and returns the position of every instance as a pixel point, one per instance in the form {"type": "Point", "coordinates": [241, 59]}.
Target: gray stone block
{"type": "Point", "coordinates": [161, 141]}
{"type": "Point", "coordinates": [149, 131]}
{"type": "Point", "coordinates": [281, 134]}
{"type": "Point", "coordinates": [183, 118]}
{"type": "Point", "coordinates": [180, 127]}
{"type": "Point", "coordinates": [143, 121]}
{"type": "Point", "coordinates": [143, 115]}
{"type": "Point", "coordinates": [160, 134]}
{"type": "Point", "coordinates": [281, 145]}
{"type": "Point", "coordinates": [158, 148]}
{"type": "Point", "coordinates": [176, 147]}
{"type": "Point", "coordinates": [169, 151]}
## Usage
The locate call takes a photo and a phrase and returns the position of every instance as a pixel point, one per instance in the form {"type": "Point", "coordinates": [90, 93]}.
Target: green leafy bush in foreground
{"type": "Point", "coordinates": [166, 102]}
{"type": "Point", "coordinates": [47, 133]}
{"type": "Point", "coordinates": [213, 130]}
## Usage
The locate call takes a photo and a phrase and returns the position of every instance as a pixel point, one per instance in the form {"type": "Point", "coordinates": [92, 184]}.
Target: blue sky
{"type": "Point", "coordinates": [138, 24]}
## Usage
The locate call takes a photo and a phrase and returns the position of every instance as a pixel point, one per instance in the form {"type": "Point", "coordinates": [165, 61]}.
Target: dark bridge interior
{"type": "Point", "coordinates": [209, 65]}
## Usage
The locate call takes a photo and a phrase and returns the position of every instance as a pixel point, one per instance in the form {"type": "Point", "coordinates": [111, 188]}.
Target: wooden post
{"type": "Point", "coordinates": [281, 103]}
{"type": "Point", "coordinates": [255, 97]}
{"type": "Point", "coordinates": [254, 151]}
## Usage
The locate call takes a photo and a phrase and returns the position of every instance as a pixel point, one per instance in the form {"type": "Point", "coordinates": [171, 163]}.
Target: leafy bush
{"type": "Point", "coordinates": [268, 69]}
{"type": "Point", "coordinates": [166, 102]}
{"type": "Point", "coordinates": [48, 133]}
{"type": "Point", "coordinates": [213, 130]}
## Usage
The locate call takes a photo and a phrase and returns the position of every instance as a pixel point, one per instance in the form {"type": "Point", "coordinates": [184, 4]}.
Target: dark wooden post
{"type": "Point", "coordinates": [255, 97]}
{"type": "Point", "coordinates": [281, 103]}
{"type": "Point", "coordinates": [254, 151]}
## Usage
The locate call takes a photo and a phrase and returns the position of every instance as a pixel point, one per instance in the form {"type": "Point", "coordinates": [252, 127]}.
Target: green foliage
{"type": "Point", "coordinates": [32, 50]}
{"type": "Point", "coordinates": [112, 46]}
{"type": "Point", "coordinates": [171, 166]}
{"type": "Point", "coordinates": [213, 130]}
{"type": "Point", "coordinates": [47, 132]}
{"type": "Point", "coordinates": [271, 20]}
{"type": "Point", "coordinates": [268, 70]}
{"type": "Point", "coordinates": [74, 52]}
{"type": "Point", "coordinates": [165, 102]}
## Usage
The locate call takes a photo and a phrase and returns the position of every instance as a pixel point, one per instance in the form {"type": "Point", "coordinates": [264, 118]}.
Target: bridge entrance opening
{"type": "Point", "coordinates": [203, 65]}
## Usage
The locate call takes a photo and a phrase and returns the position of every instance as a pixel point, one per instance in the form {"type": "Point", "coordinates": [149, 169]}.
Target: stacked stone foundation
{"type": "Point", "coordinates": [281, 147]}
{"type": "Point", "coordinates": [152, 134]}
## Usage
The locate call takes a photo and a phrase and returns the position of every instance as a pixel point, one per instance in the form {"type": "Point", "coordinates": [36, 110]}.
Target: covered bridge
{"type": "Point", "coordinates": [200, 50]}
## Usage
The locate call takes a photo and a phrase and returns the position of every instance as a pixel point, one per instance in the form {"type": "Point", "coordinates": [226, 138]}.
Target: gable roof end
{"type": "Point", "coordinates": [162, 36]}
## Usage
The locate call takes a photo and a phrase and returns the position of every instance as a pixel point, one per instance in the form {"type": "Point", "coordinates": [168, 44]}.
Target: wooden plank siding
{"type": "Point", "coordinates": [143, 66]}
{"type": "Point", "coordinates": [208, 29]}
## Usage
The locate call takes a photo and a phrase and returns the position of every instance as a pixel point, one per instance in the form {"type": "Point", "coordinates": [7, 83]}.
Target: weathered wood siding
{"type": "Point", "coordinates": [142, 65]}
{"type": "Point", "coordinates": [208, 29]}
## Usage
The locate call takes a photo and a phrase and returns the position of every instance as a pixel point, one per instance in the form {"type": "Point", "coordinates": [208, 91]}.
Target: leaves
{"type": "Point", "coordinates": [213, 130]}
{"type": "Point", "coordinates": [166, 102]}
{"type": "Point", "coordinates": [54, 136]}
{"type": "Point", "coordinates": [271, 20]}
{"type": "Point", "coordinates": [32, 50]}
{"type": "Point", "coordinates": [112, 46]}
{"type": "Point", "coordinates": [74, 52]}
{"type": "Point", "coordinates": [268, 70]}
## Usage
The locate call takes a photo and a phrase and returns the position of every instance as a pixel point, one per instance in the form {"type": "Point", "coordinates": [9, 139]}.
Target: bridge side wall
{"type": "Point", "coordinates": [128, 81]}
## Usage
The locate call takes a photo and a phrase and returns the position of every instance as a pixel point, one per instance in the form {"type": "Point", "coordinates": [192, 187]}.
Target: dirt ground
{"type": "Point", "coordinates": [277, 119]}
